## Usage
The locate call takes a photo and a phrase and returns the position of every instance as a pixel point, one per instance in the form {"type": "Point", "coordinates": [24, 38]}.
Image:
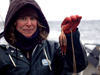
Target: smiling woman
{"type": "Point", "coordinates": [29, 52]}
{"type": "Point", "coordinates": [26, 25]}
{"type": "Point", "coordinates": [26, 22]}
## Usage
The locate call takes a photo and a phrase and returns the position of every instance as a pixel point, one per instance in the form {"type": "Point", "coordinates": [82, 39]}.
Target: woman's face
{"type": "Point", "coordinates": [26, 25]}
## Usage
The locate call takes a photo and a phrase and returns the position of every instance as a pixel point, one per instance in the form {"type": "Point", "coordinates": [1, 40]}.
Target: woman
{"type": "Point", "coordinates": [28, 51]}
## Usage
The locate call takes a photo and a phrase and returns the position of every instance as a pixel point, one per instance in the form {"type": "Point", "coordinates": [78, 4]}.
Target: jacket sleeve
{"type": "Point", "coordinates": [80, 53]}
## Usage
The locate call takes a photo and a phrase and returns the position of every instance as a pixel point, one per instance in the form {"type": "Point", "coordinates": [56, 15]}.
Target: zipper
{"type": "Point", "coordinates": [27, 54]}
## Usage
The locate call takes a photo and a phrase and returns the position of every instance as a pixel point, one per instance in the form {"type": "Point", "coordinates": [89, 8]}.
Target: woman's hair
{"type": "Point", "coordinates": [10, 34]}
{"type": "Point", "coordinates": [42, 31]}
{"type": "Point", "coordinates": [43, 34]}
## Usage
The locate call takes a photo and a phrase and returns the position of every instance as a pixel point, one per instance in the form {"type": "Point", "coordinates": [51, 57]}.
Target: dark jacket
{"type": "Point", "coordinates": [38, 65]}
{"type": "Point", "coordinates": [13, 62]}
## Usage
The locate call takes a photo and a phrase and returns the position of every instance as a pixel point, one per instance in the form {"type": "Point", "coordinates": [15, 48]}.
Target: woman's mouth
{"type": "Point", "coordinates": [28, 30]}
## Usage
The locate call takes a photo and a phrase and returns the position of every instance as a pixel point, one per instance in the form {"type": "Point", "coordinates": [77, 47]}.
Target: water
{"type": "Point", "coordinates": [89, 30]}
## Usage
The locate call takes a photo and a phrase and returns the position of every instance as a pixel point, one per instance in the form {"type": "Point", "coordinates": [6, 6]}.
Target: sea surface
{"type": "Point", "coordinates": [89, 31]}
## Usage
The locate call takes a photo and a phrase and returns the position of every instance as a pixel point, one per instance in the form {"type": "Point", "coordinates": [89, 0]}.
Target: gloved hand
{"type": "Point", "coordinates": [70, 23]}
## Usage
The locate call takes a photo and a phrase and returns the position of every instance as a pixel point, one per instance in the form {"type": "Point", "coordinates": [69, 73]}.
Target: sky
{"type": "Point", "coordinates": [57, 10]}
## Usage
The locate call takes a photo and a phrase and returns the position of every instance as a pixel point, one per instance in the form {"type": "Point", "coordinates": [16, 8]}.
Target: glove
{"type": "Point", "coordinates": [70, 23]}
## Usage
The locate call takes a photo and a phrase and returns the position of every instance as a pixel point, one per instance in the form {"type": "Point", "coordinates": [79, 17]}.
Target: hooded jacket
{"type": "Point", "coordinates": [46, 56]}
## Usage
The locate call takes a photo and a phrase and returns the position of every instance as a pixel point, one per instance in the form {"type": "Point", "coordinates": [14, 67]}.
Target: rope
{"type": "Point", "coordinates": [47, 58]}
{"type": "Point", "coordinates": [74, 61]}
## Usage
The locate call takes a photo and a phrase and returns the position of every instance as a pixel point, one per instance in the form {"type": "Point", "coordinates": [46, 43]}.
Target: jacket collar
{"type": "Point", "coordinates": [13, 51]}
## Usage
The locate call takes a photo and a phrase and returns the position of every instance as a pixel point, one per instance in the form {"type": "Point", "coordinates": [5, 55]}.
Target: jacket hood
{"type": "Point", "coordinates": [13, 9]}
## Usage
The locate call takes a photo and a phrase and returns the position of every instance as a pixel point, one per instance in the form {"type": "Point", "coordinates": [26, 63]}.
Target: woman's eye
{"type": "Point", "coordinates": [23, 18]}
{"type": "Point", "coordinates": [32, 18]}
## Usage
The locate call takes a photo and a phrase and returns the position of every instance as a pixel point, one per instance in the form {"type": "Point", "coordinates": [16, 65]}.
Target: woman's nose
{"type": "Point", "coordinates": [29, 22]}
